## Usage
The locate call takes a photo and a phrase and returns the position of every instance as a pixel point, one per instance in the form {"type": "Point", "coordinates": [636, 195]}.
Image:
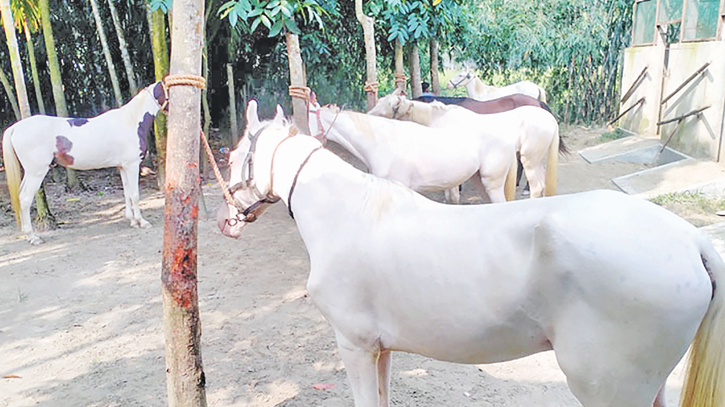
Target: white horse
{"type": "Point", "coordinates": [617, 286]}
{"type": "Point", "coordinates": [534, 131]}
{"type": "Point", "coordinates": [478, 90]}
{"type": "Point", "coordinates": [116, 138]}
{"type": "Point", "coordinates": [422, 158]}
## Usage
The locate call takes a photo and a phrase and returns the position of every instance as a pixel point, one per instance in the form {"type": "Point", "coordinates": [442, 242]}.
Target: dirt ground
{"type": "Point", "coordinates": [81, 321]}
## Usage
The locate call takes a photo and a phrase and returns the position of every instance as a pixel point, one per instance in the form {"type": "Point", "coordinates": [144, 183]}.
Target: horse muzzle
{"type": "Point", "coordinates": [228, 221]}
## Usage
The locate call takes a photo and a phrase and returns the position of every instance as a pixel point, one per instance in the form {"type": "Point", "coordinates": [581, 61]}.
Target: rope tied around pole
{"type": "Point", "coordinates": [300, 92]}
{"type": "Point", "coordinates": [225, 191]}
{"type": "Point", "coordinates": [400, 78]}
{"type": "Point", "coordinates": [371, 87]}
{"type": "Point", "coordinates": [184, 80]}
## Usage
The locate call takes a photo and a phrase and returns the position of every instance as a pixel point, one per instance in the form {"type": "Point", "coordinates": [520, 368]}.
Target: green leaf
{"type": "Point", "coordinates": [276, 28]}
{"type": "Point", "coordinates": [292, 27]}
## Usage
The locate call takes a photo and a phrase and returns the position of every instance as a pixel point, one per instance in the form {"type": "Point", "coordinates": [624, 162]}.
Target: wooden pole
{"type": "Point", "coordinates": [185, 380]}
{"type": "Point", "coordinates": [232, 106]}
{"type": "Point", "coordinates": [368, 26]}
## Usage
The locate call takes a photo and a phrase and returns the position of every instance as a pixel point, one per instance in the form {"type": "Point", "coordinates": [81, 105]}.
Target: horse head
{"type": "Point", "coordinates": [160, 94]}
{"type": "Point", "coordinates": [392, 106]}
{"type": "Point", "coordinates": [251, 167]}
{"type": "Point", "coordinates": [461, 79]}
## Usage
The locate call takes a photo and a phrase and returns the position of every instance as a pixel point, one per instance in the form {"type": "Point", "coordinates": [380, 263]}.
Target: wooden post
{"type": "Point", "coordinates": [297, 79]}
{"type": "Point", "coordinates": [185, 381]}
{"type": "Point", "coordinates": [368, 26]}
{"type": "Point", "coordinates": [232, 106]}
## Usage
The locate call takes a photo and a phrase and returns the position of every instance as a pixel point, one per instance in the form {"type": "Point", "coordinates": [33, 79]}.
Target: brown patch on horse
{"type": "Point", "coordinates": [144, 127]}
{"type": "Point", "coordinates": [160, 96]}
{"type": "Point", "coordinates": [63, 147]}
{"type": "Point", "coordinates": [77, 122]}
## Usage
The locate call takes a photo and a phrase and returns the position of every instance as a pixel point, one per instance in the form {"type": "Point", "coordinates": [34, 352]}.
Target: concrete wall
{"type": "Point", "coordinates": [643, 118]}
{"type": "Point", "coordinates": [697, 136]}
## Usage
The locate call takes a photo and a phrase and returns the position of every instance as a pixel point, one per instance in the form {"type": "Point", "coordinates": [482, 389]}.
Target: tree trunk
{"type": "Point", "coordinates": [368, 25]}
{"type": "Point", "coordinates": [434, 81]}
{"type": "Point", "coordinates": [157, 28]}
{"type": "Point", "coordinates": [34, 69]}
{"type": "Point", "coordinates": [400, 81]}
{"type": "Point", "coordinates": [15, 61]}
{"type": "Point", "coordinates": [297, 78]}
{"type": "Point", "coordinates": [182, 327]}
{"type": "Point", "coordinates": [132, 86]}
{"type": "Point", "coordinates": [10, 93]}
{"type": "Point", "coordinates": [107, 54]}
{"type": "Point", "coordinates": [232, 106]}
{"type": "Point", "coordinates": [53, 66]}
{"type": "Point", "coordinates": [414, 67]}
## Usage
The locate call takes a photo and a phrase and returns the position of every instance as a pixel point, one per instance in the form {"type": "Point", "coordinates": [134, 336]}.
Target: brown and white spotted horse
{"type": "Point", "coordinates": [117, 138]}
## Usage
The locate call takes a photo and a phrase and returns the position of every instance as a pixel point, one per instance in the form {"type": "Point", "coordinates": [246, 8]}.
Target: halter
{"type": "Point", "coordinates": [322, 133]}
{"type": "Point", "coordinates": [248, 182]}
{"type": "Point", "coordinates": [166, 97]}
{"type": "Point", "coordinates": [468, 76]}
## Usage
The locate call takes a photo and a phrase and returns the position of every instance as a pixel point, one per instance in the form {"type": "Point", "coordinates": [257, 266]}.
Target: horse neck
{"type": "Point", "coordinates": [320, 175]}
{"type": "Point", "coordinates": [477, 87]}
{"type": "Point", "coordinates": [353, 131]}
{"type": "Point", "coordinates": [421, 113]}
{"type": "Point", "coordinates": [139, 106]}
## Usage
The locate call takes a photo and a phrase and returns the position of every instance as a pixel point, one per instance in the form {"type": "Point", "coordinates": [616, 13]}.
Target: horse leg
{"type": "Point", "coordinates": [130, 190]}
{"type": "Point", "coordinates": [28, 187]}
{"type": "Point", "coordinates": [660, 399]}
{"type": "Point", "coordinates": [384, 367]}
{"type": "Point", "coordinates": [603, 373]}
{"type": "Point", "coordinates": [124, 181]}
{"type": "Point", "coordinates": [453, 195]}
{"type": "Point", "coordinates": [364, 370]}
{"type": "Point", "coordinates": [535, 175]}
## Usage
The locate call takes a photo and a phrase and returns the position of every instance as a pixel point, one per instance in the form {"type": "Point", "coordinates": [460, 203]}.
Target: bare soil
{"type": "Point", "coordinates": [81, 321]}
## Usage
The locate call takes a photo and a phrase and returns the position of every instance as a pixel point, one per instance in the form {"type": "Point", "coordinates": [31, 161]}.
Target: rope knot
{"type": "Point", "coordinates": [371, 87]}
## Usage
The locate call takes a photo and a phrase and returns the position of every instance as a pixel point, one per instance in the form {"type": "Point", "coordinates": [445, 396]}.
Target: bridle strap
{"type": "Point", "coordinates": [468, 76]}
{"type": "Point", "coordinates": [294, 181]}
{"type": "Point", "coordinates": [322, 133]}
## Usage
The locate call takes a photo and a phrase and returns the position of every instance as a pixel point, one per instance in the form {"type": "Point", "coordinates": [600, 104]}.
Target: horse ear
{"type": "Point", "coordinates": [279, 116]}
{"type": "Point", "coordinates": [252, 118]}
{"type": "Point", "coordinates": [398, 92]}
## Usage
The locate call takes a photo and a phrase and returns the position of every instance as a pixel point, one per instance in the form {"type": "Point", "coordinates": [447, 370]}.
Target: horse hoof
{"type": "Point", "coordinates": [145, 224]}
{"type": "Point", "coordinates": [35, 240]}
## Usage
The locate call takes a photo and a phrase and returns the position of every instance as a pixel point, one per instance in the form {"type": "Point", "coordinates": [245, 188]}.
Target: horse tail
{"type": "Point", "coordinates": [552, 164]}
{"type": "Point", "coordinates": [705, 374]}
{"type": "Point", "coordinates": [509, 188]}
{"type": "Point", "coordinates": [13, 172]}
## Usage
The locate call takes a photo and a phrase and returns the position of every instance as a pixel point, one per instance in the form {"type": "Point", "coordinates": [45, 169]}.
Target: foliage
{"type": "Point", "coordinates": [163, 5]}
{"type": "Point", "coordinates": [407, 20]}
{"type": "Point", "coordinates": [615, 134]}
{"type": "Point", "coordinates": [276, 15]}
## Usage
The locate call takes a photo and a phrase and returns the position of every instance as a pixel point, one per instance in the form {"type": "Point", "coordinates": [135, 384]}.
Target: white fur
{"type": "Point", "coordinates": [108, 140]}
{"type": "Point", "coordinates": [478, 90]}
{"type": "Point", "coordinates": [615, 285]}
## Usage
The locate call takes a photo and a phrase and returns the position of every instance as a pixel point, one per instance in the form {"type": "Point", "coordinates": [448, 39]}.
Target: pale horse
{"type": "Point", "coordinates": [534, 131]}
{"type": "Point", "coordinates": [116, 138]}
{"type": "Point", "coordinates": [480, 91]}
{"type": "Point", "coordinates": [422, 158]}
{"type": "Point", "coordinates": [616, 286]}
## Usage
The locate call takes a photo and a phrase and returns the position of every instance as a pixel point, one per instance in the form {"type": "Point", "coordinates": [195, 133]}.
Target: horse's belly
{"type": "Point", "coordinates": [470, 345]}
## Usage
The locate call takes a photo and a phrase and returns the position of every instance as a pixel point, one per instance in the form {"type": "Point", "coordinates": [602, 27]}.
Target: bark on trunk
{"type": "Point", "coordinates": [400, 80]}
{"type": "Point", "coordinates": [414, 67]}
{"type": "Point", "coordinates": [130, 75]}
{"type": "Point", "coordinates": [434, 80]}
{"type": "Point", "coordinates": [15, 61]}
{"type": "Point", "coordinates": [34, 69]}
{"type": "Point", "coordinates": [297, 78]}
{"type": "Point", "coordinates": [10, 93]}
{"type": "Point", "coordinates": [368, 26]}
{"type": "Point", "coordinates": [182, 327]}
{"type": "Point", "coordinates": [107, 54]}
{"type": "Point", "coordinates": [44, 216]}
{"type": "Point", "coordinates": [232, 106]}
{"type": "Point", "coordinates": [157, 28]}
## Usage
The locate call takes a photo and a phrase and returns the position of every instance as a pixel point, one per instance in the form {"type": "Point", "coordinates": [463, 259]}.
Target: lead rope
{"type": "Point", "coordinates": [199, 82]}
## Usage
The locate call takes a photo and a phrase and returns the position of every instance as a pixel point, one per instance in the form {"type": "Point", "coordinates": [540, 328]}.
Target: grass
{"type": "Point", "coordinates": [613, 135]}
{"type": "Point", "coordinates": [696, 207]}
